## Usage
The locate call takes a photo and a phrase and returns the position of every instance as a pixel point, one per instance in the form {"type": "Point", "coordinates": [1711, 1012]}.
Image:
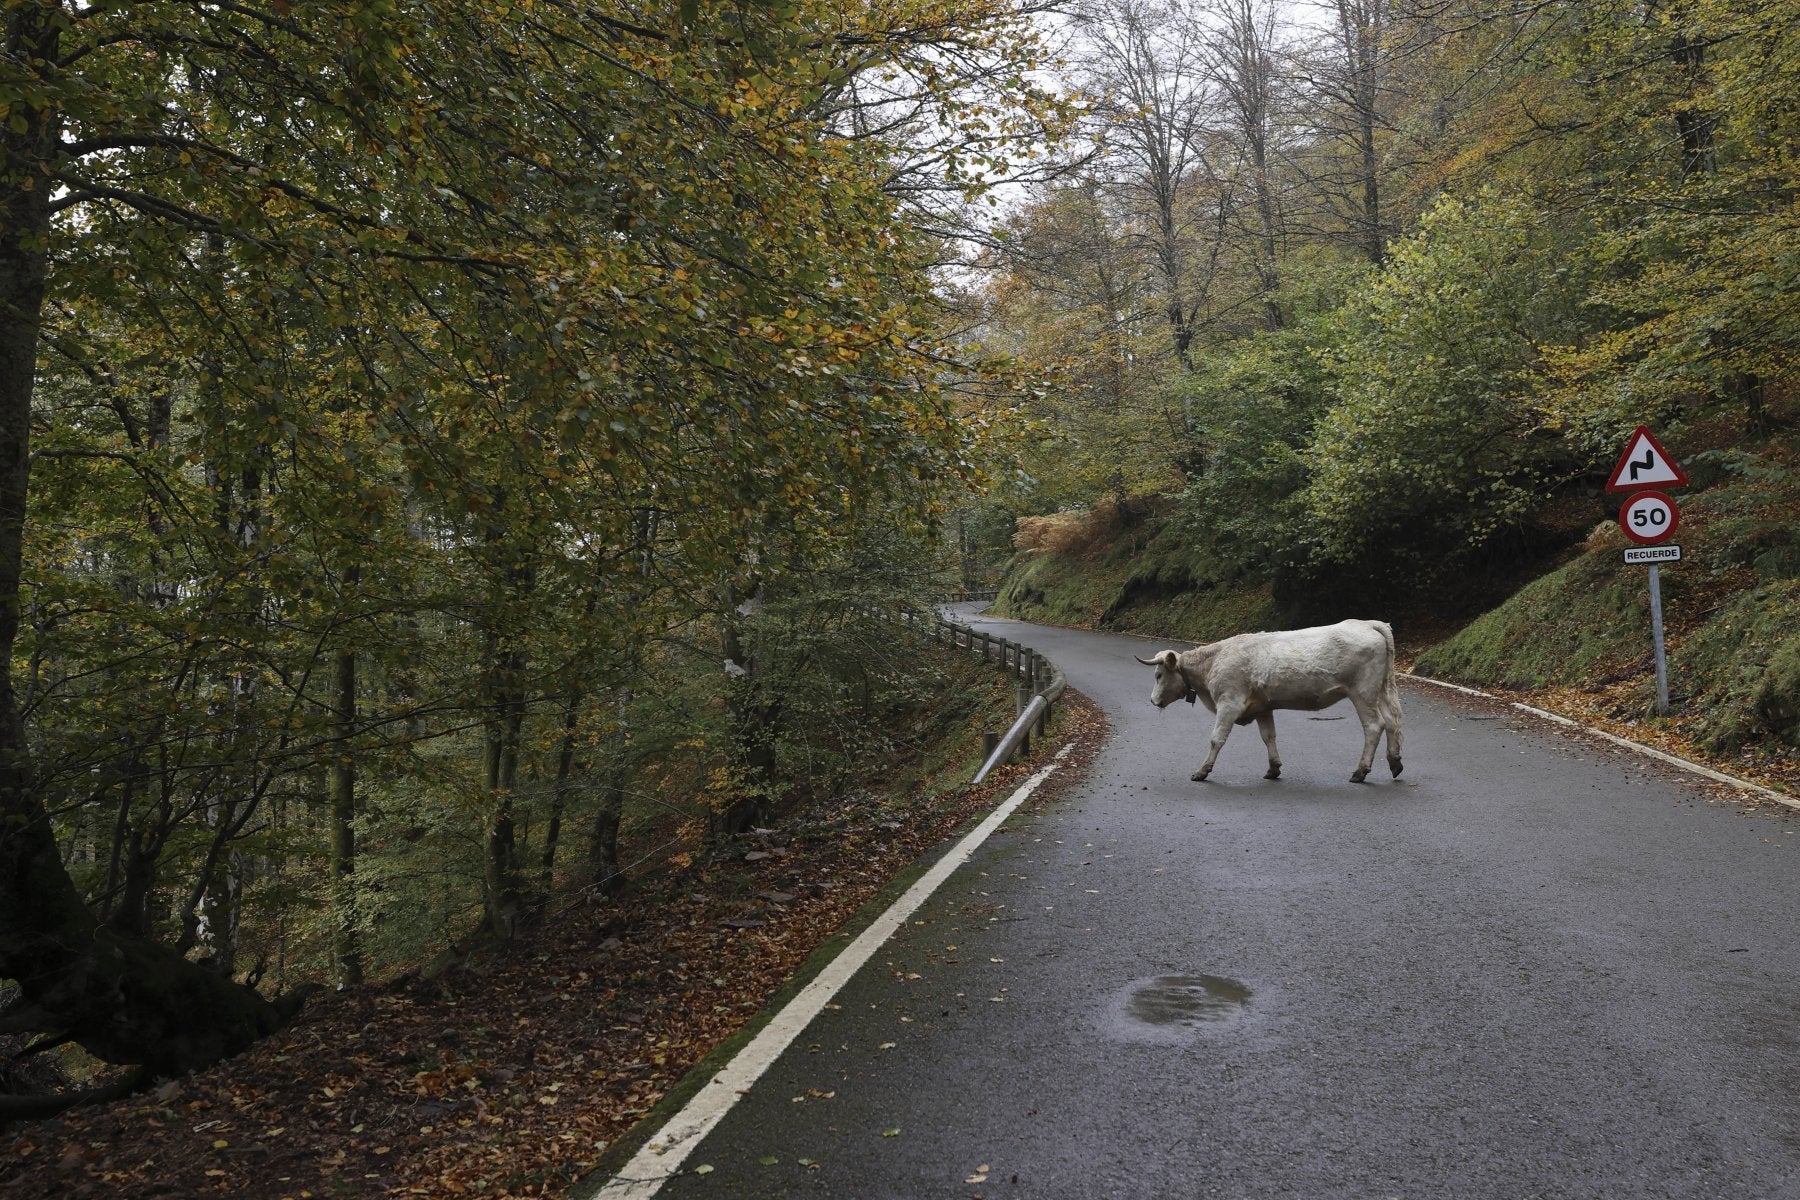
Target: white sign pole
{"type": "Point", "coordinates": [1656, 634]}
{"type": "Point", "coordinates": [1647, 518]}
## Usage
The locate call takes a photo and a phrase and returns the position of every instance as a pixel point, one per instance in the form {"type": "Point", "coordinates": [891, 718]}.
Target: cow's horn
{"type": "Point", "coordinates": [1149, 662]}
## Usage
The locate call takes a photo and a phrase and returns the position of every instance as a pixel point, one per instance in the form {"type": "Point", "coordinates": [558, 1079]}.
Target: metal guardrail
{"type": "Point", "coordinates": [1041, 683]}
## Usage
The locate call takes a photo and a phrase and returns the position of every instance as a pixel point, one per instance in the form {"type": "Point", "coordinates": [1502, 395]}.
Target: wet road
{"type": "Point", "coordinates": [1528, 968]}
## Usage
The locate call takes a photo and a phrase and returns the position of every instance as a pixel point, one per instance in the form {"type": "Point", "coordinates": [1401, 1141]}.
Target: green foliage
{"type": "Point", "coordinates": [1743, 668]}
{"type": "Point", "coordinates": [1068, 288]}
{"type": "Point", "coordinates": [1752, 513]}
{"type": "Point", "coordinates": [1251, 412]}
{"type": "Point", "coordinates": [1689, 133]}
{"type": "Point", "coordinates": [1059, 589]}
{"type": "Point", "coordinates": [1435, 443]}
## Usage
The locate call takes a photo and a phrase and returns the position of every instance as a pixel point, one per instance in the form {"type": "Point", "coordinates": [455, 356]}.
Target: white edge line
{"type": "Point", "coordinates": [661, 1157]}
{"type": "Point", "coordinates": [1648, 751]}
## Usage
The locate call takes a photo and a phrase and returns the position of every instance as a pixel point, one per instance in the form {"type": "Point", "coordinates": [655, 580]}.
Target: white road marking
{"type": "Point", "coordinates": [661, 1157]}
{"type": "Point", "coordinates": [1639, 747]}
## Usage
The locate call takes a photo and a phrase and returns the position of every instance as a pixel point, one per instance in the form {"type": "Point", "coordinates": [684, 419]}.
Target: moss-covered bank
{"type": "Point", "coordinates": [1731, 608]}
{"type": "Point", "coordinates": [1131, 573]}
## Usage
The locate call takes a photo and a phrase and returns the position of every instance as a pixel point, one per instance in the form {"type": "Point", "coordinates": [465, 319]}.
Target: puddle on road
{"type": "Point", "coordinates": [1171, 1008]}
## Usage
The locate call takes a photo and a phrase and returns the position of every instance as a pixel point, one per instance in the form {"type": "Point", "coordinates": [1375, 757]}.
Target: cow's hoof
{"type": "Point", "coordinates": [1198, 776]}
{"type": "Point", "coordinates": [1395, 766]}
{"type": "Point", "coordinates": [1358, 776]}
{"type": "Point", "coordinates": [1272, 773]}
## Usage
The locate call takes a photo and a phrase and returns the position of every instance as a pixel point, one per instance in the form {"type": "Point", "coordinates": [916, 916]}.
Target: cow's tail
{"type": "Point", "coordinates": [1390, 699]}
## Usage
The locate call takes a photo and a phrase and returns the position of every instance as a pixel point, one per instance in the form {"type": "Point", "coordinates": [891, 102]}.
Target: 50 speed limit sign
{"type": "Point", "coordinates": [1649, 517]}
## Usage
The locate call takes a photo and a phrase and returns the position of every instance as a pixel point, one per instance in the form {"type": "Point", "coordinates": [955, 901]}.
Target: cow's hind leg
{"type": "Point", "coordinates": [1370, 716]}
{"type": "Point", "coordinates": [1222, 723]}
{"type": "Point", "coordinates": [1390, 718]}
{"type": "Point", "coordinates": [1265, 725]}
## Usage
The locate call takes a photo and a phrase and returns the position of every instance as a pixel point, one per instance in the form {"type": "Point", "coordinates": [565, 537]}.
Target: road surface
{"type": "Point", "coordinates": [1530, 967]}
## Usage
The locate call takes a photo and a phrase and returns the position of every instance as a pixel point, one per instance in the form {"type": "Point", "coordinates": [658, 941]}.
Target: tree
{"type": "Point", "coordinates": [1434, 445]}
{"type": "Point", "coordinates": [1244, 66]}
{"type": "Point", "coordinates": [1349, 110]}
{"type": "Point", "coordinates": [1078, 296]}
{"type": "Point", "coordinates": [1143, 66]}
{"type": "Point", "coordinates": [1698, 209]}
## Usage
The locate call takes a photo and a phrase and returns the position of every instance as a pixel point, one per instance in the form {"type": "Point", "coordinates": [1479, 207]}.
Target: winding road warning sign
{"type": "Point", "coordinates": [1644, 464]}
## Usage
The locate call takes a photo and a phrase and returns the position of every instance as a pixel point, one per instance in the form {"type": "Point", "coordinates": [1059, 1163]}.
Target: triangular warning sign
{"type": "Point", "coordinates": [1645, 464]}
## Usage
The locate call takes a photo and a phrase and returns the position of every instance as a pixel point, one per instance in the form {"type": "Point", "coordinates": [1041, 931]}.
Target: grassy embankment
{"type": "Point", "coordinates": [1130, 572]}
{"type": "Point", "coordinates": [1580, 633]}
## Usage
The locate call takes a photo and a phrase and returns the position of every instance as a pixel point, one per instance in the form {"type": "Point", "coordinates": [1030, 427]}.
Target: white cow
{"type": "Point", "coordinates": [1247, 677]}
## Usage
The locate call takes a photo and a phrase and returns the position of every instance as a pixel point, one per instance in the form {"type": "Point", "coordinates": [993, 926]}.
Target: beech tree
{"type": "Point", "coordinates": [1143, 67]}
{"type": "Point", "coordinates": [1245, 65]}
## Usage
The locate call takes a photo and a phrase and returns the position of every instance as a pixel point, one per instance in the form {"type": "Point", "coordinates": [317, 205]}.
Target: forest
{"type": "Point", "coordinates": [442, 442]}
{"type": "Point", "coordinates": [1365, 286]}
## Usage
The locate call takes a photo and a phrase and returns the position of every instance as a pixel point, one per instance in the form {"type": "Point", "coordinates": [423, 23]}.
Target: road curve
{"type": "Point", "coordinates": [1530, 967]}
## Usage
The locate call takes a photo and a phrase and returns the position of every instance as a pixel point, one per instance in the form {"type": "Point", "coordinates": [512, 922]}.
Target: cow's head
{"type": "Point", "coordinates": [1170, 685]}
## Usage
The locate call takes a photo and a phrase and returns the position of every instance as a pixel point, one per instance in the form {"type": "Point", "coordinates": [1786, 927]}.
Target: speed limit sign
{"type": "Point", "coordinates": [1649, 517]}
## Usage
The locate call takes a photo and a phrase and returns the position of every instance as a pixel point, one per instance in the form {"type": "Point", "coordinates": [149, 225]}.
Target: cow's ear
{"type": "Point", "coordinates": [1168, 658]}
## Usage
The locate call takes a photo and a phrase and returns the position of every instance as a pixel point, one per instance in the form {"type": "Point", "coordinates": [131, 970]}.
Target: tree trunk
{"type": "Point", "coordinates": [1268, 271]}
{"type": "Point", "coordinates": [603, 839]}
{"type": "Point", "coordinates": [346, 945]}
{"type": "Point", "coordinates": [603, 844]}
{"type": "Point", "coordinates": [1694, 122]}
{"type": "Point", "coordinates": [1249, 79]}
{"type": "Point", "coordinates": [565, 769]}
{"type": "Point", "coordinates": [503, 879]}
{"type": "Point", "coordinates": [749, 718]}
{"type": "Point", "coordinates": [1360, 27]}
{"type": "Point", "coordinates": [27, 150]}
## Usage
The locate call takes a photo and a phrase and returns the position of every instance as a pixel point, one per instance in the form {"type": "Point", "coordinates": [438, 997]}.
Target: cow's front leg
{"type": "Point", "coordinates": [1265, 725]}
{"type": "Point", "coordinates": [1222, 723]}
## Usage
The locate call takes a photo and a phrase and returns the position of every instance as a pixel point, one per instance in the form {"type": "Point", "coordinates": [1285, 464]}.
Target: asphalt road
{"type": "Point", "coordinates": [1530, 967]}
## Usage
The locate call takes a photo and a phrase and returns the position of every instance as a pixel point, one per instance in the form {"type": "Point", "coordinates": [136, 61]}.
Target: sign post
{"type": "Point", "coordinates": [1656, 638]}
{"type": "Point", "coordinates": [1648, 517]}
